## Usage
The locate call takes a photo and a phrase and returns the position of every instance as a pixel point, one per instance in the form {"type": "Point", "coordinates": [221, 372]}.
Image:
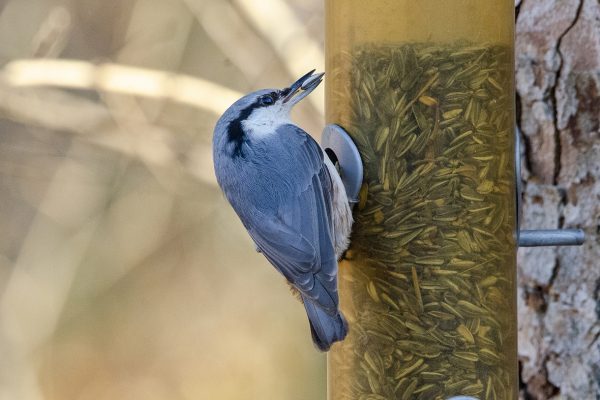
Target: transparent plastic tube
{"type": "Point", "coordinates": [425, 88]}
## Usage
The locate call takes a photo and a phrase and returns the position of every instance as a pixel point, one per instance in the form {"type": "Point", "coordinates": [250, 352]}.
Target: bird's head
{"type": "Point", "coordinates": [260, 113]}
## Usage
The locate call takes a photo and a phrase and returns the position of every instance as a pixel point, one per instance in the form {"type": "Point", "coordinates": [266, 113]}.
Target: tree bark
{"type": "Point", "coordinates": [558, 86]}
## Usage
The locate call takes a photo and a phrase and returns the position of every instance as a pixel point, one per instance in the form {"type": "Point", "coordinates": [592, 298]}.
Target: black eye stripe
{"type": "Point", "coordinates": [235, 132]}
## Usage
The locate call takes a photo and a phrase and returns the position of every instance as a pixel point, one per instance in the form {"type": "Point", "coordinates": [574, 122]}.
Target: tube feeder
{"type": "Point", "coordinates": [421, 113]}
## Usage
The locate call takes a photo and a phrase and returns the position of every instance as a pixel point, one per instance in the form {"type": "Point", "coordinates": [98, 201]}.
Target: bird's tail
{"type": "Point", "coordinates": [325, 328]}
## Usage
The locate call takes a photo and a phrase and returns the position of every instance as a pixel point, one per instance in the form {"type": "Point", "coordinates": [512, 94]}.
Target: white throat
{"type": "Point", "coordinates": [264, 121]}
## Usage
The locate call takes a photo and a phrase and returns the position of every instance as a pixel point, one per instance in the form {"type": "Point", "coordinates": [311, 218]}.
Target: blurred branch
{"type": "Point", "coordinates": [239, 42]}
{"type": "Point", "coordinates": [61, 111]}
{"type": "Point", "coordinates": [23, 323]}
{"type": "Point", "coordinates": [38, 287]}
{"type": "Point", "coordinates": [52, 109]}
{"type": "Point", "coordinates": [53, 34]}
{"type": "Point", "coordinates": [146, 141]}
{"type": "Point", "coordinates": [188, 90]}
{"type": "Point", "coordinates": [156, 37]}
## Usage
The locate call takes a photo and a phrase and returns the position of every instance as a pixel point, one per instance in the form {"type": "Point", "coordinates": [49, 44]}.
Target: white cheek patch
{"type": "Point", "coordinates": [264, 121]}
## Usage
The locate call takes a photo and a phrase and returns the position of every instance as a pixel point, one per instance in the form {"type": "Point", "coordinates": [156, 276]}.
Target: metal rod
{"type": "Point", "coordinates": [555, 237]}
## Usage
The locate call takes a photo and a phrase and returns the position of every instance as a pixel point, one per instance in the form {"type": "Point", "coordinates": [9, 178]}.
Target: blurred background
{"type": "Point", "coordinates": [123, 272]}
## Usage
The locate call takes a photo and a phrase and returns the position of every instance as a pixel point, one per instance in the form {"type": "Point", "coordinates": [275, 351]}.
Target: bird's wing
{"type": "Point", "coordinates": [297, 239]}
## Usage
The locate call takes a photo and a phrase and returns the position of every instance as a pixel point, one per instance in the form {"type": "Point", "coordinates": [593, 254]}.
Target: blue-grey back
{"type": "Point", "coordinates": [269, 171]}
{"type": "Point", "coordinates": [281, 190]}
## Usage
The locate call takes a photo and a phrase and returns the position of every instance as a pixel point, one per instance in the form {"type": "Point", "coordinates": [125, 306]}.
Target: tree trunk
{"type": "Point", "coordinates": [558, 86]}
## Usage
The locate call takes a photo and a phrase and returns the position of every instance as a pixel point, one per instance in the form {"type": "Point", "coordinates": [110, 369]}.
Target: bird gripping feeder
{"type": "Point", "coordinates": [425, 89]}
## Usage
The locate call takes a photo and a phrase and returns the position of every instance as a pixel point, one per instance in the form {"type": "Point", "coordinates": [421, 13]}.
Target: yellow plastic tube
{"type": "Point", "coordinates": [426, 90]}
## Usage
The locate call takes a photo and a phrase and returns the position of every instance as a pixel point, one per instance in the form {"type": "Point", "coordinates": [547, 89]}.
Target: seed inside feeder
{"type": "Point", "coordinates": [433, 249]}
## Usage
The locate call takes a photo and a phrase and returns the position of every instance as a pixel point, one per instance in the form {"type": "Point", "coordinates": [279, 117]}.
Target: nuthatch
{"type": "Point", "coordinates": [289, 197]}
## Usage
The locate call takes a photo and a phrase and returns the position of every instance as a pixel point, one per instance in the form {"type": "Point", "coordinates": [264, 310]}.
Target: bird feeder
{"type": "Point", "coordinates": [425, 90]}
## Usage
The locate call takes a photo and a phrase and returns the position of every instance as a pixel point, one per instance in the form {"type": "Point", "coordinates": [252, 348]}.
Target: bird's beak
{"type": "Point", "coordinates": [302, 88]}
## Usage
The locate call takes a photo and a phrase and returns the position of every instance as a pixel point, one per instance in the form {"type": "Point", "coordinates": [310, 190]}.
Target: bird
{"type": "Point", "coordinates": [289, 197]}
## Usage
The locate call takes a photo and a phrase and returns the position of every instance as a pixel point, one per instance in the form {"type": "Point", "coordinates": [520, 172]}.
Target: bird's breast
{"type": "Point", "coordinates": [342, 213]}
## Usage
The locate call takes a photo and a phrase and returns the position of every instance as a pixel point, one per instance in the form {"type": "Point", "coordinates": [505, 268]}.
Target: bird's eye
{"type": "Point", "coordinates": [267, 100]}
